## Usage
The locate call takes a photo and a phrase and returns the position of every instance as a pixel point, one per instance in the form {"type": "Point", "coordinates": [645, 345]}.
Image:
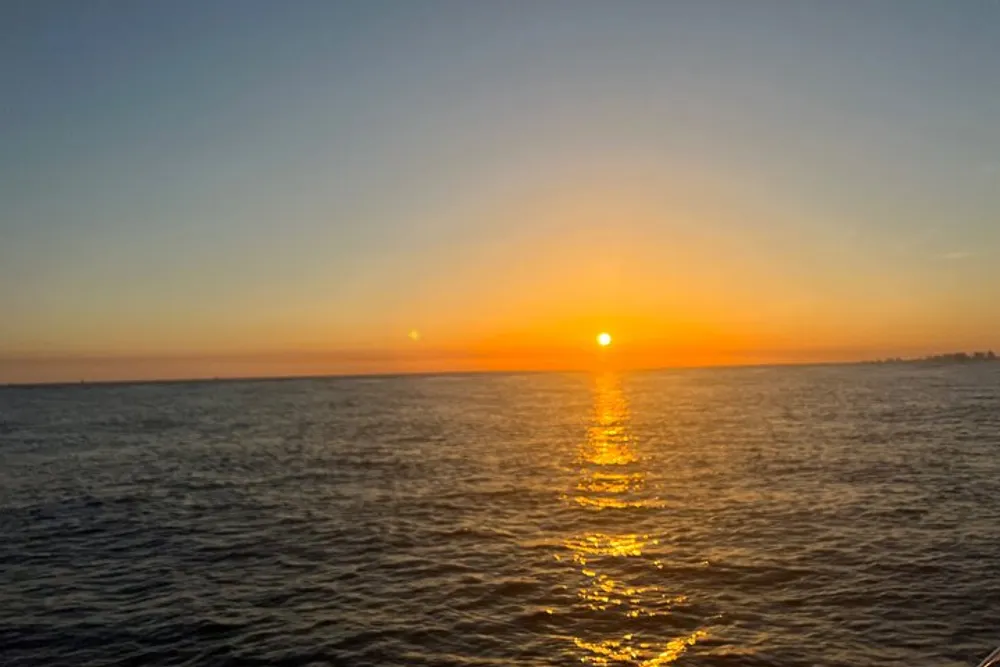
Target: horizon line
{"type": "Point", "coordinates": [417, 374]}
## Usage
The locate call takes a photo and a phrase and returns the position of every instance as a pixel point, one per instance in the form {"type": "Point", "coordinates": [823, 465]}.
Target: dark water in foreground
{"type": "Point", "coordinates": [800, 517]}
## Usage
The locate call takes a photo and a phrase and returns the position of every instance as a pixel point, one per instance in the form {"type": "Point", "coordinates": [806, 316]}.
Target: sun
{"type": "Point", "coordinates": [604, 339]}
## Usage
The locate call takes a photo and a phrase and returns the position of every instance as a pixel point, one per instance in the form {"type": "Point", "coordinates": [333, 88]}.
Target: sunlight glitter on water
{"type": "Point", "coordinates": [610, 481]}
{"type": "Point", "coordinates": [600, 544]}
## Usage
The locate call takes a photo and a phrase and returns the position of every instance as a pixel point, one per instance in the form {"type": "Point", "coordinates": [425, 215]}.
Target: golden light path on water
{"type": "Point", "coordinates": [612, 477]}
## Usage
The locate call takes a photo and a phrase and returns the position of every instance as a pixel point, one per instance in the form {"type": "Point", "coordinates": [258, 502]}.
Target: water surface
{"type": "Point", "coordinates": [771, 516]}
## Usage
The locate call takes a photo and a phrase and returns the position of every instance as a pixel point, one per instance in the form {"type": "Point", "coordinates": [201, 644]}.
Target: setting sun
{"type": "Point", "coordinates": [604, 339]}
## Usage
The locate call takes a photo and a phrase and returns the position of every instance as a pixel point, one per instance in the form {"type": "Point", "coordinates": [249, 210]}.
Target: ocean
{"type": "Point", "coordinates": [794, 516]}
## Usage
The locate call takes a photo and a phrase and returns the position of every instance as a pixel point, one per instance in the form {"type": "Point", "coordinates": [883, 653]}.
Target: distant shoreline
{"type": "Point", "coordinates": [949, 358]}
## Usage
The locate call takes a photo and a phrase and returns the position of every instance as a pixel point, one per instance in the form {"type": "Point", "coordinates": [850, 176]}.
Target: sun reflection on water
{"type": "Point", "coordinates": [610, 478]}
{"type": "Point", "coordinates": [615, 570]}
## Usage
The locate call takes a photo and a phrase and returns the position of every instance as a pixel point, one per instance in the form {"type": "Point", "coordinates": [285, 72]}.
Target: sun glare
{"type": "Point", "coordinates": [604, 339]}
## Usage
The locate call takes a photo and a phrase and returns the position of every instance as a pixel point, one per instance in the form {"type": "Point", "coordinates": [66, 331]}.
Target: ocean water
{"type": "Point", "coordinates": [769, 516]}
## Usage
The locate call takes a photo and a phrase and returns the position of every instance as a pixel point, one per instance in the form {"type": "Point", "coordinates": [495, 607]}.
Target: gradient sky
{"type": "Point", "coordinates": [256, 187]}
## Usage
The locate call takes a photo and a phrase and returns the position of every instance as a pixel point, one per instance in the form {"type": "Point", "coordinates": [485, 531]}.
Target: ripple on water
{"type": "Point", "coordinates": [793, 517]}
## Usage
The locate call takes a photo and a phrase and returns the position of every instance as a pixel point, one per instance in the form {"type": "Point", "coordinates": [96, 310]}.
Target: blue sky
{"type": "Point", "coordinates": [196, 177]}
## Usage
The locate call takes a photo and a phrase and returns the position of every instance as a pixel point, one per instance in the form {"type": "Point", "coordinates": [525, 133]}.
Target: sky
{"type": "Point", "coordinates": [247, 187]}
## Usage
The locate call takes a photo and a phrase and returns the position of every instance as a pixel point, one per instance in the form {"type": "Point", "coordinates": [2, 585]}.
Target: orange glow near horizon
{"type": "Point", "coordinates": [543, 316]}
{"type": "Point", "coordinates": [492, 354]}
{"type": "Point", "coordinates": [703, 301]}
